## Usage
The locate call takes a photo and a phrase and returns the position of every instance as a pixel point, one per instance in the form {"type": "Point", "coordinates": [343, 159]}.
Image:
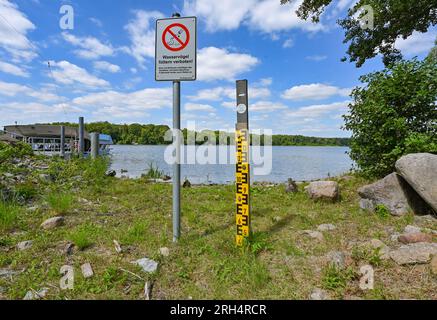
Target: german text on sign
{"type": "Point", "coordinates": [176, 46]}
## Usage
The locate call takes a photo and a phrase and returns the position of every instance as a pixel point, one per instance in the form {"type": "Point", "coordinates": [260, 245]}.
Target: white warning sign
{"type": "Point", "coordinates": [176, 46]}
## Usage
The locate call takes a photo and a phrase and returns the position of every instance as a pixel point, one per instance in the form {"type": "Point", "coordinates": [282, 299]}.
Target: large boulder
{"type": "Point", "coordinates": [393, 193]}
{"type": "Point", "coordinates": [326, 190]}
{"type": "Point", "coordinates": [420, 171]}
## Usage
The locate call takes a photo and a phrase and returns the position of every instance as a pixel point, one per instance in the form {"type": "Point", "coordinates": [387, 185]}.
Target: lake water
{"type": "Point", "coordinates": [299, 163]}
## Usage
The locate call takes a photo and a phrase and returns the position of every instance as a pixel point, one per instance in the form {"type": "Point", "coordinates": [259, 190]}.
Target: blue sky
{"type": "Point", "coordinates": [103, 69]}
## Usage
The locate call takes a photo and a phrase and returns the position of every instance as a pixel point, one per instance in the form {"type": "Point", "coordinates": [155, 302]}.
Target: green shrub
{"type": "Point", "coordinates": [18, 150]}
{"type": "Point", "coordinates": [393, 114]}
{"type": "Point", "coordinates": [153, 172]}
{"type": "Point", "coordinates": [382, 211]}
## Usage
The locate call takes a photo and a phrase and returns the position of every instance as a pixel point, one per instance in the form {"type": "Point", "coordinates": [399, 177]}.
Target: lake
{"type": "Point", "coordinates": [299, 163]}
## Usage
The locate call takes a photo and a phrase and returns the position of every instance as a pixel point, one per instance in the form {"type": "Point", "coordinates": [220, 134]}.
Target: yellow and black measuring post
{"type": "Point", "coordinates": [242, 141]}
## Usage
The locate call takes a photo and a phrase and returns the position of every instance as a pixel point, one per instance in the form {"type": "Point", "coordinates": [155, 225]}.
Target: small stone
{"type": "Point", "coordinates": [165, 252]}
{"type": "Point", "coordinates": [24, 245]}
{"type": "Point", "coordinates": [32, 295]}
{"type": "Point", "coordinates": [87, 270]}
{"type": "Point", "coordinates": [326, 227]}
{"type": "Point", "coordinates": [69, 249]}
{"type": "Point", "coordinates": [291, 187]}
{"type": "Point", "coordinates": [415, 238]}
{"type": "Point", "coordinates": [314, 234]}
{"type": "Point", "coordinates": [319, 294]}
{"type": "Point", "coordinates": [434, 265]}
{"type": "Point", "coordinates": [52, 223]}
{"type": "Point", "coordinates": [328, 190]}
{"type": "Point", "coordinates": [117, 245]}
{"type": "Point", "coordinates": [412, 229]}
{"type": "Point", "coordinates": [337, 259]}
{"type": "Point", "coordinates": [415, 253]}
{"type": "Point", "coordinates": [147, 265]}
{"type": "Point", "coordinates": [7, 273]}
{"type": "Point", "coordinates": [187, 184]}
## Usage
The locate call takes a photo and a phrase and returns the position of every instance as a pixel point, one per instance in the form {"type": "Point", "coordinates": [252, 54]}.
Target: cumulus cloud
{"type": "Point", "coordinates": [315, 91]}
{"type": "Point", "coordinates": [14, 28]}
{"type": "Point", "coordinates": [266, 106]}
{"type": "Point", "coordinates": [67, 73]}
{"type": "Point", "coordinates": [13, 69]}
{"type": "Point", "coordinates": [90, 47]}
{"type": "Point", "coordinates": [268, 16]}
{"type": "Point", "coordinates": [317, 111]}
{"type": "Point", "coordinates": [9, 89]}
{"type": "Point", "coordinates": [106, 66]}
{"type": "Point", "coordinates": [220, 64]}
{"type": "Point", "coordinates": [199, 107]}
{"type": "Point", "coordinates": [417, 43]}
{"type": "Point", "coordinates": [142, 35]}
{"type": "Point", "coordinates": [219, 93]}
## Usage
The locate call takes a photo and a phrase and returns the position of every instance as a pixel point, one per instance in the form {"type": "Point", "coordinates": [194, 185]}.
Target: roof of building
{"type": "Point", "coordinates": [43, 131]}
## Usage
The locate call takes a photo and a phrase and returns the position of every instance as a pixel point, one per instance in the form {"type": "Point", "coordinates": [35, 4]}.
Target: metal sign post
{"type": "Point", "coordinates": [242, 138]}
{"type": "Point", "coordinates": [176, 60]}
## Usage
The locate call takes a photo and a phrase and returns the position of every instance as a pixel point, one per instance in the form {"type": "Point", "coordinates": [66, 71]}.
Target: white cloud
{"type": "Point", "coordinates": [97, 22]}
{"type": "Point", "coordinates": [9, 89]}
{"type": "Point", "coordinates": [316, 58]}
{"type": "Point", "coordinates": [14, 26]}
{"type": "Point", "coordinates": [138, 101]}
{"type": "Point", "coordinates": [67, 73]}
{"type": "Point", "coordinates": [265, 82]}
{"type": "Point", "coordinates": [289, 43]}
{"type": "Point", "coordinates": [219, 15]}
{"type": "Point", "coordinates": [317, 111]}
{"type": "Point", "coordinates": [199, 107]}
{"type": "Point", "coordinates": [315, 91]}
{"type": "Point", "coordinates": [266, 106]}
{"type": "Point", "coordinates": [220, 64]}
{"type": "Point", "coordinates": [268, 16]}
{"type": "Point", "coordinates": [13, 69]}
{"type": "Point", "coordinates": [90, 47]}
{"type": "Point", "coordinates": [141, 32]}
{"type": "Point", "coordinates": [106, 66]}
{"type": "Point", "coordinates": [219, 93]}
{"type": "Point", "coordinates": [417, 43]}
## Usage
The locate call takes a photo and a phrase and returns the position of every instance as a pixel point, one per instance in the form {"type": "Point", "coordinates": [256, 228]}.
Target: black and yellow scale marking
{"type": "Point", "coordinates": [243, 186]}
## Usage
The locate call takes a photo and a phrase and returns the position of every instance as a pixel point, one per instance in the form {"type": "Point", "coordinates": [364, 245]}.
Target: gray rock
{"type": "Point", "coordinates": [6, 273]}
{"type": "Point", "coordinates": [291, 187]}
{"type": "Point", "coordinates": [25, 245]}
{"type": "Point", "coordinates": [328, 190]}
{"type": "Point", "coordinates": [314, 234]}
{"type": "Point", "coordinates": [147, 265]}
{"type": "Point", "coordinates": [69, 249]}
{"type": "Point", "coordinates": [412, 229]}
{"type": "Point", "coordinates": [319, 294]}
{"type": "Point", "coordinates": [337, 259]}
{"type": "Point", "coordinates": [420, 171]}
{"type": "Point", "coordinates": [52, 223]}
{"type": "Point", "coordinates": [416, 253]}
{"type": "Point", "coordinates": [32, 295]}
{"type": "Point", "coordinates": [393, 193]}
{"type": "Point", "coordinates": [433, 265]}
{"type": "Point", "coordinates": [326, 227]}
{"type": "Point", "coordinates": [87, 270]}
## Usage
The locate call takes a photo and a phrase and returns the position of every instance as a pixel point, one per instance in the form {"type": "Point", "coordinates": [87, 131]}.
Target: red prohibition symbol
{"type": "Point", "coordinates": [176, 43]}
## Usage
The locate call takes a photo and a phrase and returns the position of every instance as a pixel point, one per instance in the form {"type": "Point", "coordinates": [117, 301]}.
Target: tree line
{"type": "Point", "coordinates": [150, 134]}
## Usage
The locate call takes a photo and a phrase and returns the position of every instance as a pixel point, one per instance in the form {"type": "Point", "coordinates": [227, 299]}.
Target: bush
{"type": "Point", "coordinates": [18, 150]}
{"type": "Point", "coordinates": [393, 115]}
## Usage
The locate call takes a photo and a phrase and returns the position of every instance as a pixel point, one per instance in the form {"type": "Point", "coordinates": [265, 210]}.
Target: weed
{"type": "Point", "coordinates": [382, 211]}
{"type": "Point", "coordinates": [257, 242]}
{"type": "Point", "coordinates": [335, 278]}
{"type": "Point", "coordinates": [61, 203]}
{"type": "Point", "coordinates": [9, 213]}
{"type": "Point", "coordinates": [137, 232]}
{"type": "Point", "coordinates": [153, 172]}
{"type": "Point", "coordinates": [83, 236]}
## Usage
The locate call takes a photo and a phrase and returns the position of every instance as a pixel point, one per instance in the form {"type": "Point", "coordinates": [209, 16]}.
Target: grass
{"type": "Point", "coordinates": [153, 172]}
{"type": "Point", "coordinates": [9, 213]}
{"type": "Point", "coordinates": [60, 203]}
{"type": "Point", "coordinates": [278, 262]}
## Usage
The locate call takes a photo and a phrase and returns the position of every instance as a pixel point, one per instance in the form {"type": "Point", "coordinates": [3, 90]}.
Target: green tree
{"type": "Point", "coordinates": [392, 19]}
{"type": "Point", "coordinates": [393, 114]}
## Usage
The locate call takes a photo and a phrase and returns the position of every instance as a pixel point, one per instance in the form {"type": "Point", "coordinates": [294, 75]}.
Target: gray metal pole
{"type": "Point", "coordinates": [94, 145]}
{"type": "Point", "coordinates": [177, 165]}
{"type": "Point", "coordinates": [62, 151]}
{"type": "Point", "coordinates": [81, 136]}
